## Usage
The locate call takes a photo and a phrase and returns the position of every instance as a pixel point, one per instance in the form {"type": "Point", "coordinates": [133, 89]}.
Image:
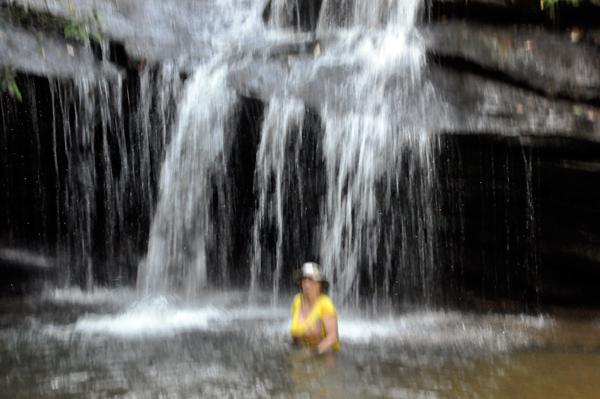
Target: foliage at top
{"type": "Point", "coordinates": [9, 83]}
{"type": "Point", "coordinates": [552, 4]}
{"type": "Point", "coordinates": [81, 29]}
{"type": "Point", "coordinates": [574, 3]}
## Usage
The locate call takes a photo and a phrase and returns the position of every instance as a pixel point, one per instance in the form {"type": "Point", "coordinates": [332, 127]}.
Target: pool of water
{"type": "Point", "coordinates": [67, 344]}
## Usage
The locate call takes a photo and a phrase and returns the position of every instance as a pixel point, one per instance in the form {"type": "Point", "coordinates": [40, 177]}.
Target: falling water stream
{"type": "Point", "coordinates": [377, 207]}
{"type": "Point", "coordinates": [370, 200]}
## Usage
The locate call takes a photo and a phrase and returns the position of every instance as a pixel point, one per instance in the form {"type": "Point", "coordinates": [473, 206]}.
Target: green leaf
{"type": "Point", "coordinates": [83, 36]}
{"type": "Point", "coordinates": [69, 30]}
{"type": "Point", "coordinates": [16, 91]}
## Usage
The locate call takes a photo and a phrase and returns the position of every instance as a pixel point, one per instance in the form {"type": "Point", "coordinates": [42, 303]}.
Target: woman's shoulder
{"type": "Point", "coordinates": [325, 302]}
{"type": "Point", "coordinates": [324, 298]}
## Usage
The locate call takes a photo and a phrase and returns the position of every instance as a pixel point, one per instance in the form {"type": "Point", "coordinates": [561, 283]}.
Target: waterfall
{"type": "Point", "coordinates": [374, 228]}
{"type": "Point", "coordinates": [95, 180]}
{"type": "Point", "coordinates": [378, 215]}
{"type": "Point", "coordinates": [344, 164]}
{"type": "Point", "coordinates": [81, 179]}
{"type": "Point", "coordinates": [375, 224]}
{"type": "Point", "coordinates": [284, 119]}
{"type": "Point", "coordinates": [390, 14]}
{"type": "Point", "coordinates": [182, 227]}
{"type": "Point", "coordinates": [379, 220]}
{"type": "Point", "coordinates": [283, 13]}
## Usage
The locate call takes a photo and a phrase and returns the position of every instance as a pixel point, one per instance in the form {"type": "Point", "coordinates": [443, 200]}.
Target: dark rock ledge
{"type": "Point", "coordinates": [539, 60]}
{"type": "Point", "coordinates": [475, 104]}
{"type": "Point", "coordinates": [519, 79]}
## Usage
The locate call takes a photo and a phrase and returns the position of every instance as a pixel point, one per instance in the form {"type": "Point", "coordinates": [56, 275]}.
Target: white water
{"type": "Point", "coordinates": [284, 117]}
{"type": "Point", "coordinates": [176, 260]}
{"type": "Point", "coordinates": [378, 144]}
{"type": "Point", "coordinates": [443, 330]}
{"type": "Point", "coordinates": [495, 334]}
{"type": "Point", "coordinates": [377, 15]}
{"type": "Point", "coordinates": [226, 311]}
{"type": "Point", "coordinates": [377, 216]}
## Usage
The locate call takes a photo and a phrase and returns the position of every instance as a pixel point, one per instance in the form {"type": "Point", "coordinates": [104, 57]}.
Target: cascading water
{"type": "Point", "coordinates": [379, 157]}
{"type": "Point", "coordinates": [182, 227]}
{"type": "Point", "coordinates": [375, 224]}
{"type": "Point", "coordinates": [283, 13]}
{"type": "Point", "coordinates": [81, 177]}
{"type": "Point", "coordinates": [380, 14]}
{"type": "Point", "coordinates": [92, 175]}
{"type": "Point", "coordinates": [284, 119]}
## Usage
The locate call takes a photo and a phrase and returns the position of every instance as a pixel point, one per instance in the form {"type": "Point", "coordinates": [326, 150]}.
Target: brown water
{"type": "Point", "coordinates": [102, 347]}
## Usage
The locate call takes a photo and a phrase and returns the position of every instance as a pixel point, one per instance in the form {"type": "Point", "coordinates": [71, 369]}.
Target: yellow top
{"type": "Point", "coordinates": [311, 329]}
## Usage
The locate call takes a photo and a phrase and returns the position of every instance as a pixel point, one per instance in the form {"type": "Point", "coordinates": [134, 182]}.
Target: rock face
{"type": "Point", "coordinates": [526, 213]}
{"type": "Point", "coordinates": [48, 56]}
{"type": "Point", "coordinates": [519, 169]}
{"type": "Point", "coordinates": [543, 61]}
{"type": "Point", "coordinates": [480, 105]}
{"type": "Point", "coordinates": [153, 30]}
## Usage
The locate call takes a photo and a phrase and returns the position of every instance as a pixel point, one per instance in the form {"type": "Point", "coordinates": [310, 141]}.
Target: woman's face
{"type": "Point", "coordinates": [310, 286]}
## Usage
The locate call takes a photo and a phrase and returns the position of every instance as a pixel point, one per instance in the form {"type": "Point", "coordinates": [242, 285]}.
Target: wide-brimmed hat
{"type": "Point", "coordinates": [313, 271]}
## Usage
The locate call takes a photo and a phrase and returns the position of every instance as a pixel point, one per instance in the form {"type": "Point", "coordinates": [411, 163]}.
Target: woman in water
{"type": "Point", "coordinates": [314, 318]}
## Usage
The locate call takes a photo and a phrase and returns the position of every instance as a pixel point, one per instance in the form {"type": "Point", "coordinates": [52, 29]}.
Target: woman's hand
{"type": "Point", "coordinates": [331, 335]}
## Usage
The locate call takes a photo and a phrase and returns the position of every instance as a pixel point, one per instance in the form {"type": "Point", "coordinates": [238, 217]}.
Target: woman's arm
{"type": "Point", "coordinates": [331, 334]}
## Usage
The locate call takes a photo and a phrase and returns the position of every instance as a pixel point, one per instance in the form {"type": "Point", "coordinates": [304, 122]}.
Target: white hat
{"type": "Point", "coordinates": [313, 271]}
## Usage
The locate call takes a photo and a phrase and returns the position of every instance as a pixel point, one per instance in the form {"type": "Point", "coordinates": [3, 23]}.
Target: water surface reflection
{"type": "Point", "coordinates": [81, 347]}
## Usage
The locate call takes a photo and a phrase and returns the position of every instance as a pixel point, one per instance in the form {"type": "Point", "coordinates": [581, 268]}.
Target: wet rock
{"type": "Point", "coordinates": [548, 62]}
{"type": "Point", "coordinates": [293, 77]}
{"type": "Point", "coordinates": [463, 102]}
{"type": "Point", "coordinates": [22, 271]}
{"type": "Point", "coordinates": [286, 69]}
{"type": "Point", "coordinates": [475, 104]}
{"type": "Point", "coordinates": [48, 56]}
{"type": "Point", "coordinates": [152, 30]}
{"type": "Point", "coordinates": [521, 6]}
{"type": "Point", "coordinates": [262, 81]}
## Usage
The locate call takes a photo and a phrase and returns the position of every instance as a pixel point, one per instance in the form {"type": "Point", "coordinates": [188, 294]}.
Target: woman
{"type": "Point", "coordinates": [314, 318]}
